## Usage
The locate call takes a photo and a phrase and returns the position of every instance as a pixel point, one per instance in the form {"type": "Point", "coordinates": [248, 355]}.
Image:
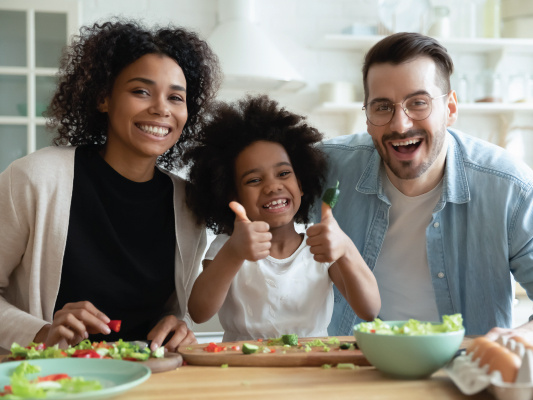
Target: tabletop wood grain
{"type": "Point", "coordinates": [279, 383]}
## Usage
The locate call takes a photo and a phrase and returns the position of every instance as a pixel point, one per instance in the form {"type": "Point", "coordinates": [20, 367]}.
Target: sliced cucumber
{"type": "Point", "coordinates": [248, 348]}
{"type": "Point", "coordinates": [331, 195]}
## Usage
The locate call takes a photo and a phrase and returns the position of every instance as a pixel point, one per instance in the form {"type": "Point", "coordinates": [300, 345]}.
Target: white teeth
{"type": "Point", "coordinates": [406, 143]}
{"type": "Point", "coordinates": [276, 204]}
{"type": "Point", "coordinates": [154, 130]}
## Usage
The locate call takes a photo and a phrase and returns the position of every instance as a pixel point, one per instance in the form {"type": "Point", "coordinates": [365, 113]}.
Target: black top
{"type": "Point", "coordinates": [120, 246]}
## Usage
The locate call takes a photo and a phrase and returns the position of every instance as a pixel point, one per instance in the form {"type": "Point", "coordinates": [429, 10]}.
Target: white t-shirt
{"type": "Point", "coordinates": [272, 297]}
{"type": "Point", "coordinates": [401, 270]}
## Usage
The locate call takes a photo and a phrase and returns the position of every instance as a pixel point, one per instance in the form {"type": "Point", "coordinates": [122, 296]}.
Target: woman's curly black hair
{"type": "Point", "coordinates": [232, 128]}
{"type": "Point", "coordinates": [91, 64]}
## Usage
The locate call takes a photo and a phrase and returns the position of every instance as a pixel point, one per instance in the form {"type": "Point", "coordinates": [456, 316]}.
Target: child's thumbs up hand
{"type": "Point", "coordinates": [326, 239]}
{"type": "Point", "coordinates": [250, 240]}
{"type": "Point", "coordinates": [240, 212]}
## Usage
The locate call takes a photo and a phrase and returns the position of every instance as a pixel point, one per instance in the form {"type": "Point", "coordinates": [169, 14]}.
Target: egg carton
{"type": "Point", "coordinates": [470, 378]}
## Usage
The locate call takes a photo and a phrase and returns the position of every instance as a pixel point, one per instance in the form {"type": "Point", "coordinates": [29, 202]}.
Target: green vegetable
{"type": "Point", "coordinates": [290, 339]}
{"type": "Point", "coordinates": [248, 348]}
{"type": "Point", "coordinates": [331, 195]}
{"type": "Point", "coordinates": [347, 366]}
{"type": "Point", "coordinates": [450, 323]}
{"type": "Point", "coordinates": [24, 388]}
{"type": "Point", "coordinates": [345, 346]}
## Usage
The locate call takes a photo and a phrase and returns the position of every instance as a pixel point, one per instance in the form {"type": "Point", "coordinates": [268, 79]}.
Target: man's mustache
{"type": "Point", "coordinates": [404, 136]}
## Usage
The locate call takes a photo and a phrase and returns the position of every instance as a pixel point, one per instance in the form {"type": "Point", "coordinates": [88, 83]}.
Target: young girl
{"type": "Point", "coordinates": [263, 277]}
{"type": "Point", "coordinates": [95, 229]}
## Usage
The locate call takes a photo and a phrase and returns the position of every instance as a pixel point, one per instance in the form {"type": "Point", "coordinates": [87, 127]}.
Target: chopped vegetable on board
{"type": "Point", "coordinates": [290, 339]}
{"type": "Point", "coordinates": [248, 348]}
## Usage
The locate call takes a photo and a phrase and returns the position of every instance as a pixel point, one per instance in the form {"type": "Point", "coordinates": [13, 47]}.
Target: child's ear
{"type": "Point", "coordinates": [102, 106]}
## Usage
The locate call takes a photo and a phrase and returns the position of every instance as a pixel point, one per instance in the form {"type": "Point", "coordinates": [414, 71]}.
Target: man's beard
{"type": "Point", "coordinates": [406, 169]}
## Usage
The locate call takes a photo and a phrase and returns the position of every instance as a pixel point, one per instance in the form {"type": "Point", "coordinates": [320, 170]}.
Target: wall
{"type": "Point", "coordinates": [296, 27]}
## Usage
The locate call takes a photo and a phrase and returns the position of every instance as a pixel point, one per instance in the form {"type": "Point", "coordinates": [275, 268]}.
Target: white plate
{"type": "Point", "coordinates": [116, 376]}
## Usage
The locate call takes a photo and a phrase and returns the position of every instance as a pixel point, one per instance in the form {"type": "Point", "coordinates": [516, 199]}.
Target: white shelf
{"type": "Point", "coordinates": [477, 45]}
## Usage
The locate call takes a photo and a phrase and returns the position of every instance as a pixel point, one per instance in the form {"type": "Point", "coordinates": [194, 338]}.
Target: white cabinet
{"type": "Point", "coordinates": [32, 34]}
{"type": "Point", "coordinates": [472, 57]}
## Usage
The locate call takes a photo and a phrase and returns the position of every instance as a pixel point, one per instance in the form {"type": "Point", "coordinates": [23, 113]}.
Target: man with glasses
{"type": "Point", "coordinates": [444, 220]}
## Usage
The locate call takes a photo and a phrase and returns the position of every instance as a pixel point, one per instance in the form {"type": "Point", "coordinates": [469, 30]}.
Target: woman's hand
{"type": "Point", "coordinates": [170, 325]}
{"type": "Point", "coordinates": [72, 324]}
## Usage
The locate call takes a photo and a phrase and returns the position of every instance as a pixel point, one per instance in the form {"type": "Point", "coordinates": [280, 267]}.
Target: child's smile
{"type": "Point", "coordinates": [266, 184]}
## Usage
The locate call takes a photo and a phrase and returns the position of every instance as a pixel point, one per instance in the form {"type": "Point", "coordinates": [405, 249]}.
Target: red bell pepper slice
{"type": "Point", "coordinates": [86, 354]}
{"type": "Point", "coordinates": [214, 348]}
{"type": "Point", "coordinates": [52, 377]}
{"type": "Point", "coordinates": [114, 324]}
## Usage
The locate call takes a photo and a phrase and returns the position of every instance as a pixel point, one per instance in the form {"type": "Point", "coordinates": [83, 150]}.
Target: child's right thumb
{"type": "Point", "coordinates": [240, 212]}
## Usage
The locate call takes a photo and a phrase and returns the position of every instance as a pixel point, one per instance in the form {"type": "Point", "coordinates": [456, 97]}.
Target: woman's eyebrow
{"type": "Point", "coordinates": [151, 82]}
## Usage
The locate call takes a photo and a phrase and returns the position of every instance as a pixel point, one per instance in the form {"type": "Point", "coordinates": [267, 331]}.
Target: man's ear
{"type": "Point", "coordinates": [102, 106]}
{"type": "Point", "coordinates": [451, 109]}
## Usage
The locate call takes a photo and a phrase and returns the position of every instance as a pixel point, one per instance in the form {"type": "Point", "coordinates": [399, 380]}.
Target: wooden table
{"type": "Point", "coordinates": [273, 383]}
{"type": "Point", "coordinates": [191, 382]}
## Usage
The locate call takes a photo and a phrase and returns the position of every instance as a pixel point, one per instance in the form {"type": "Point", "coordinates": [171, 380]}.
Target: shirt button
{"type": "Point", "coordinates": [440, 274]}
{"type": "Point", "coordinates": [436, 224]}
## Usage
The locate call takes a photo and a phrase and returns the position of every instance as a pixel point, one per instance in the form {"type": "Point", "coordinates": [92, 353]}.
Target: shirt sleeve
{"type": "Point", "coordinates": [215, 246]}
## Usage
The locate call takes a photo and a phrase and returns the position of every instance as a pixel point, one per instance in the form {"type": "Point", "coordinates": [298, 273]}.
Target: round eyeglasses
{"type": "Point", "coordinates": [417, 107]}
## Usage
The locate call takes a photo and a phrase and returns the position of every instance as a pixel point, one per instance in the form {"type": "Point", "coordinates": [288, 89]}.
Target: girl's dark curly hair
{"type": "Point", "coordinates": [91, 64]}
{"type": "Point", "coordinates": [232, 128]}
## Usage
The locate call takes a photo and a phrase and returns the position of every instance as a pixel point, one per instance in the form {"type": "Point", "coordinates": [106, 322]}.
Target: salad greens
{"type": "Point", "coordinates": [41, 387]}
{"type": "Point", "coordinates": [119, 350]}
{"type": "Point", "coordinates": [450, 323]}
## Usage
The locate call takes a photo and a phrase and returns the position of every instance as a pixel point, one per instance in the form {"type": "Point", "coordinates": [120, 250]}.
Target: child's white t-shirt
{"type": "Point", "coordinates": [272, 297]}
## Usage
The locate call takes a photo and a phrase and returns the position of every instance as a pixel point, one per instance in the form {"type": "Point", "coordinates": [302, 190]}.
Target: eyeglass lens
{"type": "Point", "coordinates": [415, 107]}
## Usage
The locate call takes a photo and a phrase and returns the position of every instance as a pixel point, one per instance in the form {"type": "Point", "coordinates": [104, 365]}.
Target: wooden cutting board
{"type": "Point", "coordinates": [281, 357]}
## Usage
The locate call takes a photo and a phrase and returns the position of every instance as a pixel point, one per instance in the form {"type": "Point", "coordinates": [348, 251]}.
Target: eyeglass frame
{"type": "Point", "coordinates": [364, 108]}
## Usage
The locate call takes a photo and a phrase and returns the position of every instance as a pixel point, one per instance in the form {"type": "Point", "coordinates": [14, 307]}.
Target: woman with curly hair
{"type": "Point", "coordinates": [96, 228]}
{"type": "Point", "coordinates": [263, 277]}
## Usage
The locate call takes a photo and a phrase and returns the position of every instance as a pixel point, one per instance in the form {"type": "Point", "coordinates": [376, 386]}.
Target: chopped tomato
{"type": "Point", "coordinates": [372, 330]}
{"type": "Point", "coordinates": [114, 325]}
{"type": "Point", "coordinates": [86, 354]}
{"type": "Point", "coordinates": [272, 350]}
{"type": "Point", "coordinates": [52, 377]}
{"type": "Point", "coordinates": [214, 348]}
{"type": "Point", "coordinates": [236, 348]}
{"type": "Point", "coordinates": [259, 340]}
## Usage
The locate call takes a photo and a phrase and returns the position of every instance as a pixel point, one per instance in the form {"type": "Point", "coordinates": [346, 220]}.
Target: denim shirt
{"type": "Point", "coordinates": [479, 237]}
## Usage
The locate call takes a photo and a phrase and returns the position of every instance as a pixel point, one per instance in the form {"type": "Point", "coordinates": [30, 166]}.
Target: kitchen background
{"type": "Point", "coordinates": [307, 54]}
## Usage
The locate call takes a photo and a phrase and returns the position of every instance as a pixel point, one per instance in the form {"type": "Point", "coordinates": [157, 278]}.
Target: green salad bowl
{"type": "Point", "coordinates": [408, 356]}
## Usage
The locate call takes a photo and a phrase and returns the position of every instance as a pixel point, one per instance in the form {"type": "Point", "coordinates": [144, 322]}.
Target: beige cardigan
{"type": "Point", "coordinates": [35, 195]}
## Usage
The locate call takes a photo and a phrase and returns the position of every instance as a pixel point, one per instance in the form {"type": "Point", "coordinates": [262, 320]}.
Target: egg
{"type": "Point", "coordinates": [507, 362]}
{"type": "Point", "coordinates": [479, 346]}
{"type": "Point", "coordinates": [526, 343]}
